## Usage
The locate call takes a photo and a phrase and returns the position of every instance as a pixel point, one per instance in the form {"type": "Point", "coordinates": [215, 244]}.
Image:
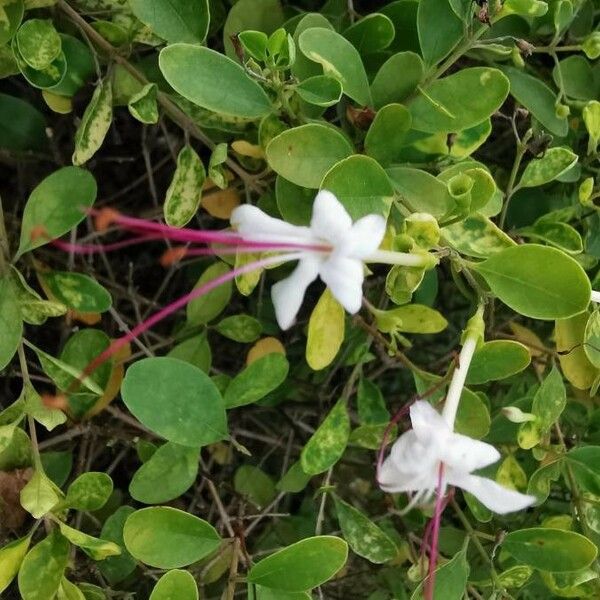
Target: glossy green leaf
{"type": "Point", "coordinates": [320, 90]}
{"type": "Point", "coordinates": [11, 557]}
{"type": "Point", "coordinates": [497, 359]}
{"type": "Point", "coordinates": [209, 305]}
{"type": "Point", "coordinates": [361, 185]}
{"type": "Point", "coordinates": [174, 20]}
{"type": "Point", "coordinates": [439, 29]}
{"type": "Point", "coordinates": [379, 144]}
{"type": "Point", "coordinates": [387, 87]}
{"type": "Point", "coordinates": [77, 291]}
{"type": "Point", "coordinates": [254, 484]}
{"type": "Point", "coordinates": [477, 236]}
{"type": "Point", "coordinates": [327, 444]}
{"type": "Point", "coordinates": [339, 59]}
{"type": "Point", "coordinates": [169, 473]}
{"type": "Point", "coordinates": [176, 400]}
{"type": "Point", "coordinates": [537, 281]}
{"type": "Point", "coordinates": [175, 585]}
{"type": "Point", "coordinates": [551, 165]}
{"type": "Point", "coordinates": [304, 154]}
{"type": "Point", "coordinates": [167, 538]}
{"type": "Point", "coordinates": [459, 101]}
{"type": "Point", "coordinates": [90, 491]}
{"type": "Point", "coordinates": [301, 566]}
{"type": "Point", "coordinates": [372, 33]}
{"type": "Point", "coordinates": [183, 195]}
{"type": "Point", "coordinates": [538, 98]}
{"type": "Point", "coordinates": [43, 567]}
{"type": "Point", "coordinates": [364, 537]}
{"type": "Point", "coordinates": [57, 204]}
{"type": "Point", "coordinates": [10, 321]}
{"type": "Point", "coordinates": [191, 70]}
{"type": "Point", "coordinates": [547, 549]}
{"type": "Point", "coordinates": [95, 123]}
{"type": "Point", "coordinates": [257, 380]}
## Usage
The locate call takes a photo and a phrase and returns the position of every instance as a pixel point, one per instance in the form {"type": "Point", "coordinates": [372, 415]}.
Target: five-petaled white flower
{"type": "Point", "coordinates": [338, 253]}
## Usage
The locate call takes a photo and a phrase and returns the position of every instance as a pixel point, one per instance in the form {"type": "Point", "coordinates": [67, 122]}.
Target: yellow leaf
{"type": "Point", "coordinates": [511, 474]}
{"type": "Point", "coordinates": [59, 104]}
{"type": "Point", "coordinates": [221, 203]}
{"type": "Point", "coordinates": [263, 347]}
{"type": "Point", "coordinates": [574, 362]}
{"type": "Point", "coordinates": [325, 331]}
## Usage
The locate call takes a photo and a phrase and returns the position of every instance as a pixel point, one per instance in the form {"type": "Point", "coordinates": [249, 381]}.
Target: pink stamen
{"type": "Point", "coordinates": [117, 344]}
{"type": "Point", "coordinates": [97, 248]}
{"type": "Point", "coordinates": [435, 534]}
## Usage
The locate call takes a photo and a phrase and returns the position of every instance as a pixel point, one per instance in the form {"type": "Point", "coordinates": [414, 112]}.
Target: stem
{"type": "Point", "coordinates": [170, 108]}
{"type": "Point", "coordinates": [510, 187]}
{"type": "Point", "coordinates": [404, 259]}
{"type": "Point", "coordinates": [30, 421]}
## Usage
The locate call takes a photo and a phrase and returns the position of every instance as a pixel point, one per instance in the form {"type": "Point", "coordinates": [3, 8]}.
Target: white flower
{"type": "Point", "coordinates": [595, 296]}
{"type": "Point", "coordinates": [340, 250]}
{"type": "Point", "coordinates": [414, 463]}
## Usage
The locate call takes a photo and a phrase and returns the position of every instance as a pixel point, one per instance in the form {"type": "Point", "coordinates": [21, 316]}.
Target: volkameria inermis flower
{"type": "Point", "coordinates": [332, 248]}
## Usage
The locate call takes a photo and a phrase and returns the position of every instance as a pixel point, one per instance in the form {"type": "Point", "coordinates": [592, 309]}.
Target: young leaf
{"type": "Point", "coordinates": [167, 538]}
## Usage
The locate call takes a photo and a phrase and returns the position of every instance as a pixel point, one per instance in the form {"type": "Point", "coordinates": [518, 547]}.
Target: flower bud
{"type": "Point", "coordinates": [516, 415]}
{"type": "Point", "coordinates": [562, 111]}
{"type": "Point", "coordinates": [423, 228]}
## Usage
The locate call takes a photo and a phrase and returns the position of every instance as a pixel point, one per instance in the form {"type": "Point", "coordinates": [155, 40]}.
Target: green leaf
{"type": "Point", "coordinates": [576, 73]}
{"type": "Point", "coordinates": [339, 59]}
{"type": "Point", "coordinates": [57, 204]}
{"type": "Point", "coordinates": [538, 98]}
{"type": "Point", "coordinates": [371, 404]}
{"type": "Point", "coordinates": [372, 436]}
{"type": "Point", "coordinates": [23, 127]}
{"type": "Point", "coordinates": [412, 318]}
{"type": "Point", "coordinates": [526, 8]}
{"type": "Point", "coordinates": [326, 328]}
{"type": "Point", "coordinates": [167, 538]}
{"type": "Point", "coordinates": [379, 144]}
{"type": "Point", "coordinates": [265, 593]}
{"type": "Point", "coordinates": [257, 380]}
{"type": "Point", "coordinates": [184, 193]}
{"type": "Point", "coordinates": [254, 484]}
{"type": "Point", "coordinates": [294, 480]}
{"type": "Point", "coordinates": [439, 29]}
{"type": "Point", "coordinates": [117, 568]}
{"type": "Point", "coordinates": [320, 90]}
{"type": "Point", "coordinates": [11, 323]}
{"type": "Point", "coordinates": [537, 281]}
{"type": "Point", "coordinates": [195, 350]}
{"type": "Point", "coordinates": [547, 549]}
{"type": "Point", "coordinates": [35, 407]}
{"type": "Point", "coordinates": [562, 236]}
{"type": "Point", "coordinates": [69, 591]}
{"type": "Point", "coordinates": [477, 236]}
{"type": "Point", "coordinates": [450, 579]}
{"type": "Point", "coordinates": [40, 495]}
{"type": "Point", "coordinates": [34, 309]}
{"type": "Point", "coordinates": [370, 34]}
{"type": "Point", "coordinates": [12, 13]}
{"type": "Point", "coordinates": [175, 585]}
{"type": "Point", "coordinates": [327, 444]}
{"type": "Point", "coordinates": [95, 548]}
{"type": "Point", "coordinates": [143, 105]}
{"type": "Point", "coordinates": [591, 344]}
{"type": "Point", "coordinates": [585, 464]}
{"type": "Point", "coordinates": [361, 185]}
{"type": "Point", "coordinates": [304, 154]}
{"type": "Point", "coordinates": [473, 416]}
{"type": "Point", "coordinates": [77, 291]}
{"type": "Point", "coordinates": [497, 359]}
{"type": "Point", "coordinates": [301, 566]}
{"type": "Point", "coordinates": [89, 492]}
{"type": "Point", "coordinates": [387, 87]}
{"type": "Point", "coordinates": [363, 536]}
{"type": "Point", "coordinates": [174, 20]}
{"type": "Point", "coordinates": [11, 557]}
{"type": "Point", "coordinates": [459, 101]}
{"type": "Point", "coordinates": [209, 305]}
{"type": "Point", "coordinates": [175, 400]}
{"type": "Point", "coordinates": [169, 472]}
{"type": "Point", "coordinates": [43, 567]}
{"type": "Point", "coordinates": [57, 465]}
{"type": "Point", "coordinates": [39, 43]}
{"type": "Point", "coordinates": [547, 168]}
{"type": "Point", "coordinates": [240, 328]}
{"type": "Point", "coordinates": [192, 71]}
{"type": "Point", "coordinates": [95, 123]}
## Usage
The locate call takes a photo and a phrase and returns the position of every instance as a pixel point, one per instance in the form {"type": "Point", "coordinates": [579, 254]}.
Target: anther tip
{"type": "Point", "coordinates": [172, 256]}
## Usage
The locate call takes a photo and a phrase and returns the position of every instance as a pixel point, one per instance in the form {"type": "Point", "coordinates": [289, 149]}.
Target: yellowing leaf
{"type": "Point", "coordinates": [325, 331]}
{"type": "Point", "coordinates": [221, 203]}
{"type": "Point", "coordinates": [247, 149]}
{"type": "Point", "coordinates": [62, 105]}
{"type": "Point", "coordinates": [263, 347]}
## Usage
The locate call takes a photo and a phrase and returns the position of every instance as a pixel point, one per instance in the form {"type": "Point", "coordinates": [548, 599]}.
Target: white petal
{"type": "Point", "coordinates": [467, 454]}
{"type": "Point", "coordinates": [364, 237]}
{"type": "Point", "coordinates": [330, 220]}
{"type": "Point", "coordinates": [428, 424]}
{"type": "Point", "coordinates": [288, 293]}
{"type": "Point", "coordinates": [253, 223]}
{"type": "Point", "coordinates": [390, 478]}
{"type": "Point", "coordinates": [496, 497]}
{"type": "Point", "coordinates": [344, 277]}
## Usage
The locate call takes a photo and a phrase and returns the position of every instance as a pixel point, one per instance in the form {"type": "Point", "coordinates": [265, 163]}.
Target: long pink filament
{"type": "Point", "coordinates": [435, 534]}
{"type": "Point", "coordinates": [117, 344]}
